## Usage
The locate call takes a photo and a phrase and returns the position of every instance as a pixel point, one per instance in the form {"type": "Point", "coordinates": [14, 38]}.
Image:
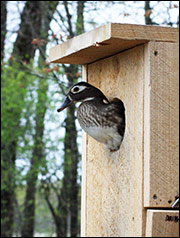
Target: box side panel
{"type": "Point", "coordinates": [161, 124]}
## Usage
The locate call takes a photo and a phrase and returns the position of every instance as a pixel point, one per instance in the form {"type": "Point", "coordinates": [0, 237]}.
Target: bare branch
{"type": "Point", "coordinates": [71, 33]}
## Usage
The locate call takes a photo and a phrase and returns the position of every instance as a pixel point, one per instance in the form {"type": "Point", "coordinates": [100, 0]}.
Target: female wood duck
{"type": "Point", "coordinates": [102, 119]}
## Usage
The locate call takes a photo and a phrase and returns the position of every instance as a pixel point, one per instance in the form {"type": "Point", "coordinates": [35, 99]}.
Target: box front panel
{"type": "Point", "coordinates": [114, 181]}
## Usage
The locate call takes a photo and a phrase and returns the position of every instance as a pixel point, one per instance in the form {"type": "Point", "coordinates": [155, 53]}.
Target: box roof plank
{"type": "Point", "coordinates": [108, 40]}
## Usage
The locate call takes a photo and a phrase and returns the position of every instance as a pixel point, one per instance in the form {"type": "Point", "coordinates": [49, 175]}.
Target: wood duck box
{"type": "Point", "coordinates": [129, 193]}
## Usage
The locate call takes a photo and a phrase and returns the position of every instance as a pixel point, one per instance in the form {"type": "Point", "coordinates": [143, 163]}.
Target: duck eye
{"type": "Point", "coordinates": [75, 89]}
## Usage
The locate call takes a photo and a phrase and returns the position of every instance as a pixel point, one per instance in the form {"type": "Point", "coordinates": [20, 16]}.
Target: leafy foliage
{"type": "Point", "coordinates": [14, 90]}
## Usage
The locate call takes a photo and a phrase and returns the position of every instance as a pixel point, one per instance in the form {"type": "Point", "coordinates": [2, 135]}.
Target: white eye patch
{"type": "Point", "coordinates": [77, 89]}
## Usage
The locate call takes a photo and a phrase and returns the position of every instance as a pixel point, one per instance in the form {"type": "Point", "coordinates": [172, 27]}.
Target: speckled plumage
{"type": "Point", "coordinates": [102, 119]}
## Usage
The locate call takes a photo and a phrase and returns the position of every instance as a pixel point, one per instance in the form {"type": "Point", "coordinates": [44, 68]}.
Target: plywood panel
{"type": "Point", "coordinates": [162, 223]}
{"type": "Point", "coordinates": [161, 124]}
{"type": "Point", "coordinates": [107, 40]}
{"type": "Point", "coordinates": [114, 181]}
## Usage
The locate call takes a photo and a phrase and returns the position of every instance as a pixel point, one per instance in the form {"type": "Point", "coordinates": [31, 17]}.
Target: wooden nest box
{"type": "Point", "coordinates": [129, 193]}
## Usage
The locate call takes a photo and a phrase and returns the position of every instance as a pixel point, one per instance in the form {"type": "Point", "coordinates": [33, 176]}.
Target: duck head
{"type": "Point", "coordinates": [81, 92]}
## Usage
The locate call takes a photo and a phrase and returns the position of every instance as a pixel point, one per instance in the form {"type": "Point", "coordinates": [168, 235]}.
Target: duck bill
{"type": "Point", "coordinates": [67, 102]}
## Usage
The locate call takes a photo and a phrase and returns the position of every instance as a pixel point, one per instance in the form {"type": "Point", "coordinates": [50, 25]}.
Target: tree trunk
{"type": "Point", "coordinates": [80, 17]}
{"type": "Point", "coordinates": [70, 143]}
{"type": "Point", "coordinates": [46, 10]}
{"type": "Point", "coordinates": [147, 14]}
{"type": "Point", "coordinates": [29, 29]}
{"type": "Point", "coordinates": [66, 213]}
{"type": "Point", "coordinates": [3, 26]}
{"type": "Point", "coordinates": [7, 189]}
{"type": "Point", "coordinates": [72, 129]}
{"type": "Point", "coordinates": [8, 159]}
{"type": "Point", "coordinates": [23, 50]}
{"type": "Point", "coordinates": [36, 161]}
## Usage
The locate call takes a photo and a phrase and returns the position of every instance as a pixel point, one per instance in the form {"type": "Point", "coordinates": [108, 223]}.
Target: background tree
{"type": "Point", "coordinates": [35, 20]}
{"type": "Point", "coordinates": [36, 17]}
{"type": "Point", "coordinates": [68, 197]}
